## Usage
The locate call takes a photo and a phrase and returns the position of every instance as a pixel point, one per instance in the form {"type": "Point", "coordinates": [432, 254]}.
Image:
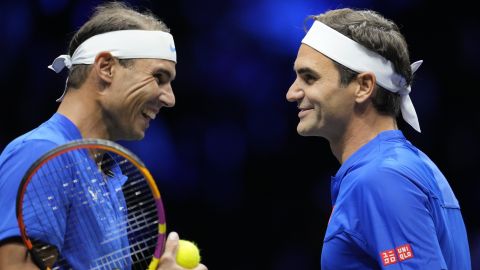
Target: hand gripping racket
{"type": "Point", "coordinates": [91, 204]}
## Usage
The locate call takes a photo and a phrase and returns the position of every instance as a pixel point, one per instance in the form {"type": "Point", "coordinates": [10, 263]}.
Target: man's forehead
{"type": "Point", "coordinates": [156, 63]}
{"type": "Point", "coordinates": [157, 66]}
{"type": "Point", "coordinates": [309, 57]}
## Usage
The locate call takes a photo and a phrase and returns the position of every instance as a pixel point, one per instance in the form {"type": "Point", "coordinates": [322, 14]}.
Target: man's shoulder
{"type": "Point", "coordinates": [396, 160]}
{"type": "Point", "coordinates": [389, 172]}
{"type": "Point", "coordinates": [34, 142]}
{"type": "Point", "coordinates": [21, 153]}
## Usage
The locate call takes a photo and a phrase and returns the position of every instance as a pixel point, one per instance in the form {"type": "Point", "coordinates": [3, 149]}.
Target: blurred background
{"type": "Point", "coordinates": [235, 176]}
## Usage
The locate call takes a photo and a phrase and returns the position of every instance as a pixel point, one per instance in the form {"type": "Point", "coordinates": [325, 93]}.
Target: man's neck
{"type": "Point", "coordinates": [358, 133]}
{"type": "Point", "coordinates": [84, 113]}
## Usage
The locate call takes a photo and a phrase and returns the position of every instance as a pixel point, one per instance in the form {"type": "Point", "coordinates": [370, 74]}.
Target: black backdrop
{"type": "Point", "coordinates": [235, 176]}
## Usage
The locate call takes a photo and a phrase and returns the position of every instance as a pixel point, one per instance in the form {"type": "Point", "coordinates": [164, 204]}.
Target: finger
{"type": "Point", "coordinates": [200, 267]}
{"type": "Point", "coordinates": [171, 245]}
{"type": "Point", "coordinates": [167, 261]}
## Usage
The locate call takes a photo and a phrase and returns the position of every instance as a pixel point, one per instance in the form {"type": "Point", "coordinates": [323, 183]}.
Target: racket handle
{"type": "Point", "coordinates": [154, 264]}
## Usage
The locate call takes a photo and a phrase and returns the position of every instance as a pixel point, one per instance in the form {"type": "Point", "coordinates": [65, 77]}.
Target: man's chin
{"type": "Point", "coordinates": [304, 131]}
{"type": "Point", "coordinates": [137, 136]}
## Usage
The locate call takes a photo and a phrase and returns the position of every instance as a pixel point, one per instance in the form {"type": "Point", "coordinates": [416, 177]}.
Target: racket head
{"type": "Point", "coordinates": [91, 204]}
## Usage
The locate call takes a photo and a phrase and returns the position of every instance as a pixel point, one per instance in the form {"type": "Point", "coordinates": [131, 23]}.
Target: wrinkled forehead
{"type": "Point", "coordinates": [156, 65]}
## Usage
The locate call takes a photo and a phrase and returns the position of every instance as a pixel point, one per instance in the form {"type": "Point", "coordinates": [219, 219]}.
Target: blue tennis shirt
{"type": "Point", "coordinates": [93, 214]}
{"type": "Point", "coordinates": [393, 209]}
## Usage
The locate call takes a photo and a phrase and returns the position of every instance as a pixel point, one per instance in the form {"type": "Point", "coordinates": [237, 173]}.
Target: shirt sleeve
{"type": "Point", "coordinates": [395, 220]}
{"type": "Point", "coordinates": [46, 202]}
{"type": "Point", "coordinates": [14, 163]}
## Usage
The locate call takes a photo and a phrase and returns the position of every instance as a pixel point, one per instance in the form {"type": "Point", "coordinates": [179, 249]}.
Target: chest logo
{"type": "Point", "coordinates": [404, 252]}
{"type": "Point", "coordinates": [399, 254]}
{"type": "Point", "coordinates": [388, 257]}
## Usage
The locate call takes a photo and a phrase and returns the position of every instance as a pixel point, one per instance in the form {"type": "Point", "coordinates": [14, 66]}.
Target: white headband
{"type": "Point", "coordinates": [351, 54]}
{"type": "Point", "coordinates": [123, 44]}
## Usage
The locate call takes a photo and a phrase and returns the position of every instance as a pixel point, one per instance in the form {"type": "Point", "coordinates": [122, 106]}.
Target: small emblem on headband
{"type": "Point", "coordinates": [172, 48]}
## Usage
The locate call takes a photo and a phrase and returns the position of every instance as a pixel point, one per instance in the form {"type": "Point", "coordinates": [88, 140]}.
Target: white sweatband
{"type": "Point", "coordinates": [356, 57]}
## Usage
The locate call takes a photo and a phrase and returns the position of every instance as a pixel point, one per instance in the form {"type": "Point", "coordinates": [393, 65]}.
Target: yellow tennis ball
{"type": "Point", "coordinates": [188, 255]}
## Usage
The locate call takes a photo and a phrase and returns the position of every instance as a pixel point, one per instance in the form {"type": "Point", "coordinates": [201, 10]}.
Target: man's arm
{"type": "Point", "coordinates": [13, 165]}
{"type": "Point", "coordinates": [396, 221]}
{"type": "Point", "coordinates": [15, 256]}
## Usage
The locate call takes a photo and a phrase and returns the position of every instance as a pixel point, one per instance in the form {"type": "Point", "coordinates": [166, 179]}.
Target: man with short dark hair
{"type": "Point", "coordinates": [392, 207]}
{"type": "Point", "coordinates": [121, 64]}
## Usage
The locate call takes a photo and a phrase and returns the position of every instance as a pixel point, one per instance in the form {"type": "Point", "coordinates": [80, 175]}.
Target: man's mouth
{"type": "Point", "coordinates": [150, 114]}
{"type": "Point", "coordinates": [303, 112]}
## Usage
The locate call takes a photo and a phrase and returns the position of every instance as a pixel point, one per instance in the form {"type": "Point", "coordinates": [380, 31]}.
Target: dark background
{"type": "Point", "coordinates": [235, 176]}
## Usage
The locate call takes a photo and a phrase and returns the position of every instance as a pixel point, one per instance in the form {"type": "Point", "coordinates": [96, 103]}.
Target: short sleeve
{"type": "Point", "coordinates": [395, 221]}
{"type": "Point", "coordinates": [46, 201]}
{"type": "Point", "coordinates": [13, 165]}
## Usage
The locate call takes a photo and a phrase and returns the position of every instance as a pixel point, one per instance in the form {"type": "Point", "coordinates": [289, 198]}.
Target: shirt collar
{"type": "Point", "coordinates": [68, 128]}
{"type": "Point", "coordinates": [361, 154]}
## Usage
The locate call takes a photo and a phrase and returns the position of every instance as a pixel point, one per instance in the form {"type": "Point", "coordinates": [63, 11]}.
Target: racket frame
{"type": "Point", "coordinates": [92, 144]}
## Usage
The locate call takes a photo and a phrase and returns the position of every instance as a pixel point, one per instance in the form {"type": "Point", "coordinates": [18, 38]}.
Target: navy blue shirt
{"type": "Point", "coordinates": [393, 209]}
{"type": "Point", "coordinates": [95, 211]}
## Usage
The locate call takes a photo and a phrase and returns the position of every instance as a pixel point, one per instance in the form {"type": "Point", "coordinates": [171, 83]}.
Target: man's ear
{"type": "Point", "coordinates": [366, 85]}
{"type": "Point", "coordinates": [104, 67]}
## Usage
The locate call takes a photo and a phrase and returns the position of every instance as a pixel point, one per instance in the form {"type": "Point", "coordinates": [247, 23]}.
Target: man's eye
{"type": "Point", "coordinates": [159, 78]}
{"type": "Point", "coordinates": [309, 79]}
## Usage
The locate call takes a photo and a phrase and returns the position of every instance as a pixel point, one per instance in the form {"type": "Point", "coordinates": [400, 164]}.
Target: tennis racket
{"type": "Point", "coordinates": [91, 204]}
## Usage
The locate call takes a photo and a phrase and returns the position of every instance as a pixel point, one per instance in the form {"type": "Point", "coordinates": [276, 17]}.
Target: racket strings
{"type": "Point", "coordinates": [138, 215]}
{"type": "Point", "coordinates": [138, 220]}
{"type": "Point", "coordinates": [139, 249]}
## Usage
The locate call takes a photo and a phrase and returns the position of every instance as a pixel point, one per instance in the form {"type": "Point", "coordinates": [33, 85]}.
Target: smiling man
{"type": "Point", "coordinates": [121, 64]}
{"type": "Point", "coordinates": [392, 207]}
